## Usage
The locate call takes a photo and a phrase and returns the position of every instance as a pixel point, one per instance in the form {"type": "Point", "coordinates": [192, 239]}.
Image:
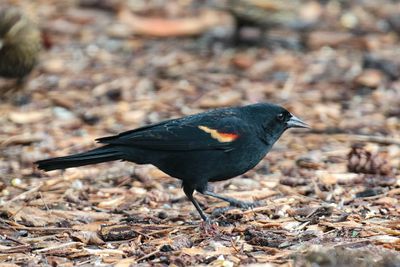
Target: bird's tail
{"type": "Point", "coordinates": [97, 155]}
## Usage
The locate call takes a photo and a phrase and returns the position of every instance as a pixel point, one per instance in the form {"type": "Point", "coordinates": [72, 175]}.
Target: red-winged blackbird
{"type": "Point", "coordinates": [211, 146]}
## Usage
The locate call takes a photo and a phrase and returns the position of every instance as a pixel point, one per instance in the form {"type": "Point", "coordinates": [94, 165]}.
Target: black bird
{"type": "Point", "coordinates": [206, 147]}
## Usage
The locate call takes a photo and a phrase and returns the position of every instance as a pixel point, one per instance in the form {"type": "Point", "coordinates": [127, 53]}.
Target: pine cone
{"type": "Point", "coordinates": [362, 161]}
{"type": "Point", "coordinates": [20, 43]}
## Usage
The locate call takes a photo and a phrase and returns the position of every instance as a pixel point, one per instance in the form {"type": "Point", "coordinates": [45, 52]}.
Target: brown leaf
{"type": "Point", "coordinates": [370, 78]}
{"type": "Point", "coordinates": [164, 27]}
{"type": "Point", "coordinates": [27, 117]}
{"type": "Point", "coordinates": [112, 203]}
{"type": "Point", "coordinates": [117, 232]}
{"type": "Point", "coordinates": [23, 139]}
{"type": "Point", "coordinates": [220, 250]}
{"type": "Point", "coordinates": [87, 237]}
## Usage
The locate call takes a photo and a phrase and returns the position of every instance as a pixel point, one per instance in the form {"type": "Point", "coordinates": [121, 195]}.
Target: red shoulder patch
{"type": "Point", "coordinates": [219, 136]}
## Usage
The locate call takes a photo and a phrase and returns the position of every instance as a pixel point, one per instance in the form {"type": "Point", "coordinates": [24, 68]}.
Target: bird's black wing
{"type": "Point", "coordinates": [190, 133]}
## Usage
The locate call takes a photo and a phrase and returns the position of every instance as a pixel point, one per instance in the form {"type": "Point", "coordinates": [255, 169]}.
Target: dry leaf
{"type": "Point", "coordinates": [28, 117]}
{"type": "Point", "coordinates": [112, 203]}
{"type": "Point", "coordinates": [87, 237]}
{"type": "Point", "coordinates": [164, 27]}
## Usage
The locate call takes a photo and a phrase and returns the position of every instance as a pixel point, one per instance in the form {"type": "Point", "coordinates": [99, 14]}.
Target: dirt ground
{"type": "Point", "coordinates": [329, 196]}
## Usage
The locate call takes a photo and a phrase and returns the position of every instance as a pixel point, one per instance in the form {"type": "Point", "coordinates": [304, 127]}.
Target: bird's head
{"type": "Point", "coordinates": [273, 120]}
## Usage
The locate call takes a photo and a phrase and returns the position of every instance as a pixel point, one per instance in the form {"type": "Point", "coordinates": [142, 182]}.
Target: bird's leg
{"type": "Point", "coordinates": [231, 201]}
{"type": "Point", "coordinates": [189, 193]}
{"type": "Point", "coordinates": [207, 227]}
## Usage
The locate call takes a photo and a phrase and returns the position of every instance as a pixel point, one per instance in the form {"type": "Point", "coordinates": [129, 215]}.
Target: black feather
{"type": "Point", "coordinates": [98, 155]}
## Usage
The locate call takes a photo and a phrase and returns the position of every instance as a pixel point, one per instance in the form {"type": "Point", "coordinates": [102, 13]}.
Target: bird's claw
{"type": "Point", "coordinates": [244, 204]}
{"type": "Point", "coordinates": [209, 228]}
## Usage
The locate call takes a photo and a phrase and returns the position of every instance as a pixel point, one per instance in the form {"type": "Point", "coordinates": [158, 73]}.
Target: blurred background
{"type": "Point", "coordinates": [72, 71]}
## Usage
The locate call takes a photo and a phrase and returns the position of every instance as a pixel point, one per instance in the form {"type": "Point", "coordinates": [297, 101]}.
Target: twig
{"type": "Point", "coordinates": [14, 240]}
{"type": "Point", "coordinates": [24, 194]}
{"type": "Point", "coordinates": [126, 241]}
{"type": "Point", "coordinates": [10, 223]}
{"type": "Point", "coordinates": [18, 210]}
{"type": "Point", "coordinates": [23, 139]}
{"type": "Point", "coordinates": [149, 255]}
{"type": "Point", "coordinates": [16, 249]}
{"type": "Point", "coordinates": [83, 262]}
{"type": "Point", "coordinates": [164, 231]}
{"type": "Point", "coordinates": [104, 251]}
{"type": "Point", "coordinates": [234, 246]}
{"type": "Point", "coordinates": [380, 195]}
{"type": "Point", "coordinates": [44, 202]}
{"type": "Point", "coordinates": [384, 140]}
{"type": "Point", "coordinates": [302, 225]}
{"type": "Point", "coordinates": [140, 233]}
{"type": "Point", "coordinates": [377, 139]}
{"type": "Point", "coordinates": [61, 246]}
{"type": "Point", "coordinates": [44, 229]}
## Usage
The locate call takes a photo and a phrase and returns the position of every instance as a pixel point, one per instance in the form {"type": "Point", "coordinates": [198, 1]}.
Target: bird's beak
{"type": "Point", "coordinates": [295, 122]}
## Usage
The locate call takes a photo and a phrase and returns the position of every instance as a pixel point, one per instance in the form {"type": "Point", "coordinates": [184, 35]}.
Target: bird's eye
{"type": "Point", "coordinates": [280, 117]}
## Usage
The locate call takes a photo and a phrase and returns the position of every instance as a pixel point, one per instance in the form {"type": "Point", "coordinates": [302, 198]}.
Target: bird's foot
{"type": "Point", "coordinates": [244, 204]}
{"type": "Point", "coordinates": [235, 204]}
{"type": "Point", "coordinates": [208, 228]}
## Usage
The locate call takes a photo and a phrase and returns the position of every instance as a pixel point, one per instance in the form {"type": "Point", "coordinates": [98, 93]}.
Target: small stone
{"type": "Point", "coordinates": [349, 20]}
{"type": "Point", "coordinates": [63, 114]}
{"type": "Point", "coordinates": [162, 215]}
{"type": "Point", "coordinates": [16, 182]}
{"type": "Point", "coordinates": [114, 94]}
{"type": "Point", "coordinates": [242, 61]}
{"type": "Point", "coordinates": [90, 119]}
{"type": "Point", "coordinates": [77, 184]}
{"type": "Point", "coordinates": [54, 66]}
